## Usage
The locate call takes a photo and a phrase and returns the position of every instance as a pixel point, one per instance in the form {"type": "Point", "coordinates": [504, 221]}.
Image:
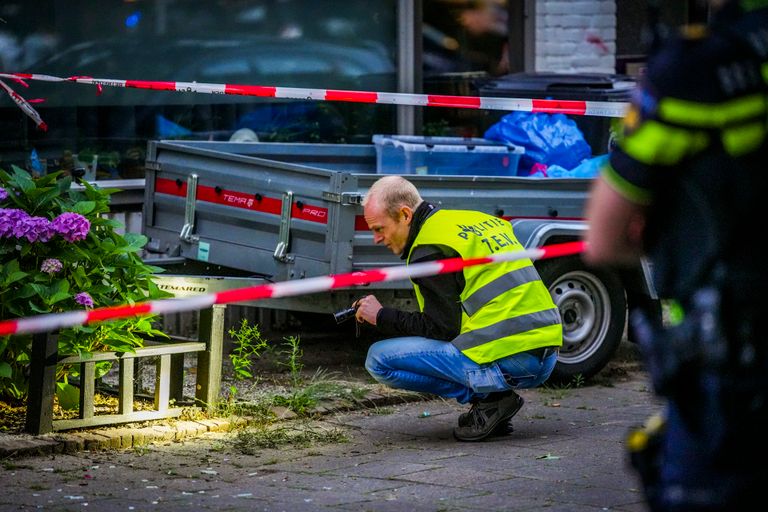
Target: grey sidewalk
{"type": "Point", "coordinates": [566, 453]}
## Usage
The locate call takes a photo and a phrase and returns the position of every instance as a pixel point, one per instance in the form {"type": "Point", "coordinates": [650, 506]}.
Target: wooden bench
{"type": "Point", "coordinates": [168, 380]}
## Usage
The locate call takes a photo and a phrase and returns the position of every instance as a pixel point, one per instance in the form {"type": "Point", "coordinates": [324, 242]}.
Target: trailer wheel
{"type": "Point", "coordinates": [593, 308]}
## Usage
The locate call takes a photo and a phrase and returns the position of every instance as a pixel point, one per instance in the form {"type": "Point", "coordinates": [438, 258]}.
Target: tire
{"type": "Point", "coordinates": [593, 307]}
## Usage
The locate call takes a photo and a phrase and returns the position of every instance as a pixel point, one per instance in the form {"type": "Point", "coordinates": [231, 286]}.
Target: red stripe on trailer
{"type": "Point", "coordinates": [244, 200]}
{"type": "Point", "coordinates": [239, 199]}
{"type": "Point", "coordinates": [303, 211]}
{"type": "Point", "coordinates": [171, 187]}
{"type": "Point", "coordinates": [156, 86]}
{"type": "Point", "coordinates": [560, 107]}
{"type": "Point", "coordinates": [438, 100]}
{"type": "Point", "coordinates": [354, 96]}
{"type": "Point", "coordinates": [108, 313]}
{"type": "Point", "coordinates": [360, 223]}
{"type": "Point", "coordinates": [251, 90]}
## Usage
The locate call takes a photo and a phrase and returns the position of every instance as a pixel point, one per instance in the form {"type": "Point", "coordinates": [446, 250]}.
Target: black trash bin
{"type": "Point", "coordinates": [560, 86]}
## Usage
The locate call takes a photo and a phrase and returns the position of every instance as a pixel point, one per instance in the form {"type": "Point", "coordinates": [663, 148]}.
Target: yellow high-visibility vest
{"type": "Point", "coordinates": [506, 308]}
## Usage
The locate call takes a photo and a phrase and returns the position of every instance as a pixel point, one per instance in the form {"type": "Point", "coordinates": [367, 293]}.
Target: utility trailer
{"type": "Point", "coordinates": [227, 214]}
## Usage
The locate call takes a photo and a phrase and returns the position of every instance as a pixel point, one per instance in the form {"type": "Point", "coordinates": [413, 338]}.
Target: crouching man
{"type": "Point", "coordinates": [480, 333]}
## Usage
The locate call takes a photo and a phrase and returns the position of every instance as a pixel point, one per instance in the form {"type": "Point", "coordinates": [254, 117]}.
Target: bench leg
{"type": "Point", "coordinates": [211, 329]}
{"type": "Point", "coordinates": [42, 384]}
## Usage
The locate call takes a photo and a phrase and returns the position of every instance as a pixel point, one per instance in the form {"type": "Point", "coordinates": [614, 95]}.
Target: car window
{"type": "Point", "coordinates": [213, 70]}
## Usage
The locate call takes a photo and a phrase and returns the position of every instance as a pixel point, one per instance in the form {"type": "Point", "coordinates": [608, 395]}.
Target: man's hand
{"type": "Point", "coordinates": [367, 309]}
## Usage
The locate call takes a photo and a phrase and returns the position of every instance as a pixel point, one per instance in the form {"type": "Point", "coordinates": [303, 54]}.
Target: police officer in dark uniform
{"type": "Point", "coordinates": [685, 187]}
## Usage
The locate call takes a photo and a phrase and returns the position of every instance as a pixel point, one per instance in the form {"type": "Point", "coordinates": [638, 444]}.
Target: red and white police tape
{"type": "Point", "coordinates": [54, 321]}
{"type": "Point", "coordinates": [573, 107]}
{"type": "Point", "coordinates": [25, 106]}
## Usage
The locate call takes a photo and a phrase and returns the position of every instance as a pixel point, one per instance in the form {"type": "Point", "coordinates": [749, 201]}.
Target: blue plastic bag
{"type": "Point", "coordinates": [587, 169]}
{"type": "Point", "coordinates": [548, 139]}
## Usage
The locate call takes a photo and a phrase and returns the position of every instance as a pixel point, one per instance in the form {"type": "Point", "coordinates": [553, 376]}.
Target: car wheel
{"type": "Point", "coordinates": [593, 307]}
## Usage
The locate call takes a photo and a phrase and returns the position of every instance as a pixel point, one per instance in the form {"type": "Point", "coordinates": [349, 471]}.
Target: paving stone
{"type": "Point", "coordinates": [569, 457]}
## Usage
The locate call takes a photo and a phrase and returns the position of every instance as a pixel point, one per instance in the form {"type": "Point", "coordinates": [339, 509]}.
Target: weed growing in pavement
{"type": "Point", "coordinates": [554, 392]}
{"type": "Point", "coordinates": [141, 449]}
{"type": "Point", "coordinates": [301, 396]}
{"type": "Point", "coordinates": [11, 466]}
{"type": "Point", "coordinates": [293, 362]}
{"type": "Point", "coordinates": [576, 382]}
{"type": "Point", "coordinates": [322, 386]}
{"type": "Point", "coordinates": [249, 344]}
{"type": "Point", "coordinates": [259, 411]}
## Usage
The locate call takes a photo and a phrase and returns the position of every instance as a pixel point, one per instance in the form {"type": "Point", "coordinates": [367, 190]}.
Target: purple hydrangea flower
{"type": "Point", "coordinates": [3, 194]}
{"type": "Point", "coordinates": [51, 266]}
{"type": "Point", "coordinates": [34, 229]}
{"type": "Point", "coordinates": [84, 299]}
{"type": "Point", "coordinates": [10, 219]}
{"type": "Point", "coordinates": [72, 227]}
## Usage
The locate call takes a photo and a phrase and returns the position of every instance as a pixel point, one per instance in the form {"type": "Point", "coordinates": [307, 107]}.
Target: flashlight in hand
{"type": "Point", "coordinates": [344, 315]}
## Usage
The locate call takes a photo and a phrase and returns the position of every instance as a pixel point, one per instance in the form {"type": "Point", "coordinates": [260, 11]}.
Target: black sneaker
{"type": "Point", "coordinates": [502, 429]}
{"type": "Point", "coordinates": [488, 417]}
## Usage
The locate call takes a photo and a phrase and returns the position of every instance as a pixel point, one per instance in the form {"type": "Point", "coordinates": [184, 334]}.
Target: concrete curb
{"type": "Point", "coordinates": [124, 437]}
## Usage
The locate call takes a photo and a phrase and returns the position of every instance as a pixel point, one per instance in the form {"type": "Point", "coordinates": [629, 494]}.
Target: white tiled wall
{"type": "Point", "coordinates": [576, 36]}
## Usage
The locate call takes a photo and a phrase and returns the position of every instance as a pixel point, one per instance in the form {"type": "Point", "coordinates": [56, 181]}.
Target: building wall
{"type": "Point", "coordinates": [575, 36]}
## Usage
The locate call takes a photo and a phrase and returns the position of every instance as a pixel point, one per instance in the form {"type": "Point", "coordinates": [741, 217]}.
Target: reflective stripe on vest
{"type": "Point", "coordinates": [506, 308]}
{"type": "Point", "coordinates": [741, 121]}
{"type": "Point", "coordinates": [508, 327]}
{"type": "Point", "coordinates": [684, 129]}
{"type": "Point", "coordinates": [501, 284]}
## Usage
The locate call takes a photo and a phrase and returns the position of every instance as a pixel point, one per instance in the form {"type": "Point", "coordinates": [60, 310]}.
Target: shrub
{"type": "Point", "coordinates": [59, 253]}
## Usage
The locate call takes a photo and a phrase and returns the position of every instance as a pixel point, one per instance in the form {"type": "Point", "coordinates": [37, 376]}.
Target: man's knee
{"type": "Point", "coordinates": [374, 360]}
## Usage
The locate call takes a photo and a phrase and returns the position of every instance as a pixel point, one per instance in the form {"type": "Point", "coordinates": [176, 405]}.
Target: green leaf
{"type": "Point", "coordinates": [45, 198]}
{"type": "Point", "coordinates": [103, 368]}
{"type": "Point", "coordinates": [111, 223]}
{"type": "Point", "coordinates": [57, 297]}
{"type": "Point", "coordinates": [81, 280]}
{"type": "Point", "coordinates": [64, 184]}
{"type": "Point", "coordinates": [68, 395]}
{"type": "Point", "coordinates": [37, 309]}
{"type": "Point", "coordinates": [5, 370]}
{"type": "Point", "coordinates": [135, 240]}
{"type": "Point", "coordinates": [84, 207]}
{"type": "Point", "coordinates": [60, 285]}
{"type": "Point", "coordinates": [13, 277]}
{"type": "Point", "coordinates": [22, 179]}
{"type": "Point", "coordinates": [26, 291]}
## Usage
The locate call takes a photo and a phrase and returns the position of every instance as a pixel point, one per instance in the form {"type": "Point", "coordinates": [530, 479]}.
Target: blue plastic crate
{"type": "Point", "coordinates": [412, 154]}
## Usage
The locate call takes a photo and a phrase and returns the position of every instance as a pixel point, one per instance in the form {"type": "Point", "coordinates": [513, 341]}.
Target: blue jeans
{"type": "Point", "coordinates": [433, 366]}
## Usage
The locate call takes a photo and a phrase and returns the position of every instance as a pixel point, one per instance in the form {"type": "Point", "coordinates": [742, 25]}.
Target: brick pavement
{"type": "Point", "coordinates": [566, 453]}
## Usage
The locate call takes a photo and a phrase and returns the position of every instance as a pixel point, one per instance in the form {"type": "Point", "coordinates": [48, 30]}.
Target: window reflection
{"type": "Point", "coordinates": [290, 43]}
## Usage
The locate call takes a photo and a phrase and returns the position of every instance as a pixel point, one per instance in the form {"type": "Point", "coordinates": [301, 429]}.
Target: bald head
{"type": "Point", "coordinates": [388, 208]}
{"type": "Point", "coordinates": [391, 193]}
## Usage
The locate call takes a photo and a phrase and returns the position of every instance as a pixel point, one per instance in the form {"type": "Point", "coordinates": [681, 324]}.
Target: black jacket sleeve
{"type": "Point", "coordinates": [441, 318]}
